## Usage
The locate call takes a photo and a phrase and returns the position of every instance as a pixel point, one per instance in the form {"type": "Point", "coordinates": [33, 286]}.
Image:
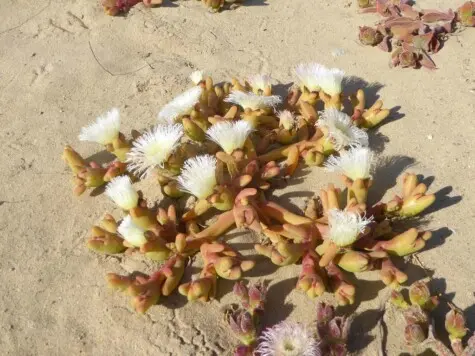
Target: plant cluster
{"type": "Point", "coordinates": [419, 332]}
{"type": "Point", "coordinates": [118, 7]}
{"type": "Point", "coordinates": [225, 145]}
{"type": "Point", "coordinates": [327, 336]}
{"type": "Point", "coordinates": [411, 35]}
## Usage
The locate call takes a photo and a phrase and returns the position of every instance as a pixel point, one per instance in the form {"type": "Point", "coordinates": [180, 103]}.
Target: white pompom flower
{"type": "Point", "coordinates": [131, 232]}
{"type": "Point", "coordinates": [288, 339]}
{"type": "Point", "coordinates": [153, 148]}
{"type": "Point", "coordinates": [341, 130]}
{"type": "Point", "coordinates": [345, 227]}
{"type": "Point", "coordinates": [308, 75]}
{"type": "Point", "coordinates": [259, 81]}
{"type": "Point", "coordinates": [104, 130]}
{"type": "Point", "coordinates": [287, 119]}
{"type": "Point", "coordinates": [121, 191]}
{"type": "Point", "coordinates": [355, 164]}
{"type": "Point", "coordinates": [181, 105]}
{"type": "Point", "coordinates": [198, 176]}
{"type": "Point", "coordinates": [331, 80]}
{"type": "Point", "coordinates": [197, 76]}
{"type": "Point", "coordinates": [230, 135]}
{"type": "Point", "coordinates": [248, 100]}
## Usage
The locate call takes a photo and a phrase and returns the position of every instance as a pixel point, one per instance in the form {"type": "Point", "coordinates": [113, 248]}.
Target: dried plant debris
{"type": "Point", "coordinates": [225, 145]}
{"type": "Point", "coordinates": [412, 35]}
{"type": "Point", "coordinates": [419, 332]}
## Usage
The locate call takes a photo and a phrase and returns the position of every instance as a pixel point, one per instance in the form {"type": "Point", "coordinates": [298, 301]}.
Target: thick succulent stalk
{"type": "Point", "coordinates": [227, 263]}
{"type": "Point", "coordinates": [312, 277]}
{"type": "Point", "coordinates": [104, 239]}
{"type": "Point", "coordinates": [147, 290]}
{"type": "Point", "coordinates": [344, 291]}
{"type": "Point", "coordinates": [358, 189]}
{"type": "Point", "coordinates": [202, 288]}
{"type": "Point", "coordinates": [414, 199]}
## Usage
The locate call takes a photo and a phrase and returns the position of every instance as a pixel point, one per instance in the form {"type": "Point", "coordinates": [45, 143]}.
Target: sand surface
{"type": "Point", "coordinates": [54, 300]}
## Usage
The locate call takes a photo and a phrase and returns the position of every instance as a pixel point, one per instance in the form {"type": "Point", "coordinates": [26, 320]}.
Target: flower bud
{"type": "Point", "coordinates": [325, 312]}
{"type": "Point", "coordinates": [455, 324]}
{"type": "Point", "coordinates": [414, 334]}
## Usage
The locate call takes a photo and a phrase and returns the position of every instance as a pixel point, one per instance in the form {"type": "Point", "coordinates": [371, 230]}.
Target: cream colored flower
{"type": "Point", "coordinates": [198, 176]}
{"type": "Point", "coordinates": [259, 81]}
{"type": "Point", "coordinates": [308, 75]}
{"type": "Point", "coordinates": [197, 76]}
{"type": "Point", "coordinates": [153, 148]}
{"type": "Point", "coordinates": [230, 135]}
{"type": "Point", "coordinates": [248, 100]}
{"type": "Point", "coordinates": [122, 192]}
{"type": "Point", "coordinates": [181, 105]}
{"type": "Point", "coordinates": [345, 227]}
{"type": "Point", "coordinates": [341, 130]}
{"type": "Point", "coordinates": [355, 164]}
{"type": "Point", "coordinates": [104, 130]}
{"type": "Point", "coordinates": [331, 80]}
{"type": "Point", "coordinates": [131, 232]}
{"type": "Point", "coordinates": [288, 339]}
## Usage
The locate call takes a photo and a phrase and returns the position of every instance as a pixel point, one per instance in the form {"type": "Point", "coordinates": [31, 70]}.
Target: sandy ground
{"type": "Point", "coordinates": [54, 300]}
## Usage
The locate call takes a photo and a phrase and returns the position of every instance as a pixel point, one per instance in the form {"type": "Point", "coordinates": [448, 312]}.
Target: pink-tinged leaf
{"type": "Point", "coordinates": [385, 44]}
{"type": "Point", "coordinates": [426, 61]}
{"type": "Point", "coordinates": [436, 16]}
{"type": "Point", "coordinates": [406, 46]}
{"type": "Point", "coordinates": [402, 32]}
{"type": "Point", "coordinates": [423, 41]}
{"type": "Point", "coordinates": [409, 12]}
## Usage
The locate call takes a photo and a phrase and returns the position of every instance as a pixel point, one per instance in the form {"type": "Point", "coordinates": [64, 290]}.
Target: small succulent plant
{"type": "Point", "coordinates": [410, 34]}
{"type": "Point", "coordinates": [419, 332]}
{"type": "Point", "coordinates": [328, 336]}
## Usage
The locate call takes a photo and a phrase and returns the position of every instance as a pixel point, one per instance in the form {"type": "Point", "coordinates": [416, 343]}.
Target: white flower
{"type": "Point", "coordinates": [104, 130]}
{"type": "Point", "coordinates": [355, 164]}
{"type": "Point", "coordinates": [121, 191]}
{"type": "Point", "coordinates": [309, 75]}
{"type": "Point", "coordinates": [259, 81]}
{"type": "Point", "coordinates": [131, 232]}
{"type": "Point", "coordinates": [317, 77]}
{"type": "Point", "coordinates": [153, 148]}
{"type": "Point", "coordinates": [341, 130]}
{"type": "Point", "coordinates": [288, 339]}
{"type": "Point", "coordinates": [345, 227]}
{"type": "Point", "coordinates": [180, 105]}
{"type": "Point", "coordinates": [248, 100]}
{"type": "Point", "coordinates": [286, 119]}
{"type": "Point", "coordinates": [197, 76]}
{"type": "Point", "coordinates": [330, 80]}
{"type": "Point", "coordinates": [230, 135]}
{"type": "Point", "coordinates": [198, 176]}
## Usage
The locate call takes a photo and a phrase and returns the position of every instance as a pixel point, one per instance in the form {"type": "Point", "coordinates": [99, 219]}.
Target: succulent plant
{"type": "Point", "coordinates": [419, 332]}
{"type": "Point", "coordinates": [412, 35]}
{"type": "Point", "coordinates": [224, 146]}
